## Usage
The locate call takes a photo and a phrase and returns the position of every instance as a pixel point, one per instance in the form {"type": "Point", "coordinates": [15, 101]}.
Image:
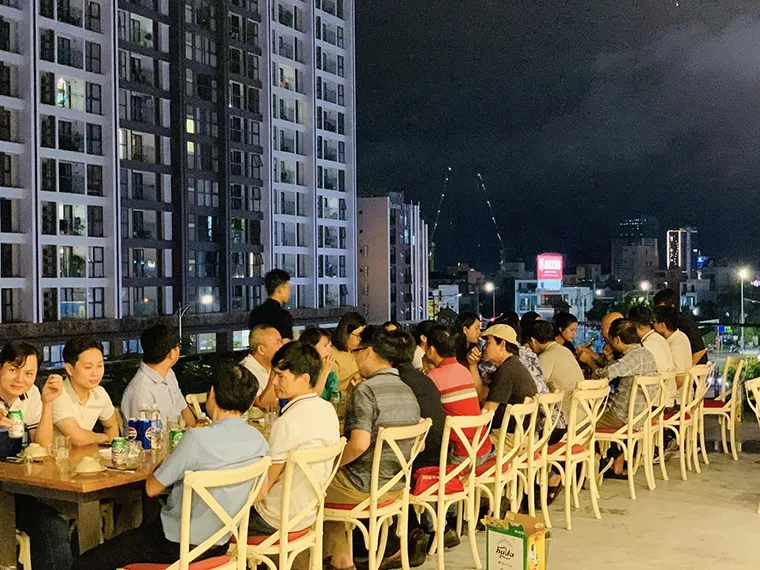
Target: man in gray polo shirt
{"type": "Point", "coordinates": [382, 400]}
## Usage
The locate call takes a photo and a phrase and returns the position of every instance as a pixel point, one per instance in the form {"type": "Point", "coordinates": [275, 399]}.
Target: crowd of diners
{"type": "Point", "coordinates": [386, 377]}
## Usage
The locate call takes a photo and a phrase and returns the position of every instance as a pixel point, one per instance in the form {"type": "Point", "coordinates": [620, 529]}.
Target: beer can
{"type": "Point", "coordinates": [119, 450]}
{"type": "Point", "coordinates": [132, 429]}
{"type": "Point", "coordinates": [174, 436]}
{"type": "Point", "coordinates": [16, 431]}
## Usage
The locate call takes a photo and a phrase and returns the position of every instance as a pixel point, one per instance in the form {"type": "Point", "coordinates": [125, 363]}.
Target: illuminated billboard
{"type": "Point", "coordinates": [549, 271]}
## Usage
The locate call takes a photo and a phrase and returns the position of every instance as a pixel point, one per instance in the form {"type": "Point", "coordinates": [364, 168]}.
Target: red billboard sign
{"type": "Point", "coordinates": [549, 267]}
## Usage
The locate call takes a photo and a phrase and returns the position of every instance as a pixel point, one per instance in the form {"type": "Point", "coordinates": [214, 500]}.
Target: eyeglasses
{"type": "Point", "coordinates": [357, 334]}
{"type": "Point", "coordinates": [354, 351]}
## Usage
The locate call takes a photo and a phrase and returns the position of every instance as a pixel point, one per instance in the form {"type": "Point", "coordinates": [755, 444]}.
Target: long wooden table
{"type": "Point", "coordinates": [59, 482]}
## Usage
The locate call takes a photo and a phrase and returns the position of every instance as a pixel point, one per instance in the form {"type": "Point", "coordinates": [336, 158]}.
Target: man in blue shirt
{"type": "Point", "coordinates": [228, 443]}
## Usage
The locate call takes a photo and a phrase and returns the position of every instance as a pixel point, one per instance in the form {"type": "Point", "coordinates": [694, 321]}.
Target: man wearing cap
{"type": "Point", "coordinates": [511, 382]}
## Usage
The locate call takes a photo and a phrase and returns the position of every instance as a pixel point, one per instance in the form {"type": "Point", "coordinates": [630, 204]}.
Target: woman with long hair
{"type": "Point", "coordinates": [467, 335]}
{"type": "Point", "coordinates": [345, 340]}
{"type": "Point", "coordinates": [327, 383]}
{"type": "Point", "coordinates": [565, 329]}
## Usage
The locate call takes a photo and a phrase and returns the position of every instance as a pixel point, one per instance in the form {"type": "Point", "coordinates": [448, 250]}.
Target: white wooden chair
{"type": "Point", "coordinates": [577, 448]}
{"type": "Point", "coordinates": [24, 550]}
{"type": "Point", "coordinates": [459, 480]}
{"type": "Point", "coordinates": [753, 398]}
{"type": "Point", "coordinates": [726, 408]}
{"type": "Point", "coordinates": [494, 476]}
{"type": "Point", "coordinates": [684, 422]}
{"type": "Point", "coordinates": [535, 461]}
{"type": "Point", "coordinates": [195, 401]}
{"type": "Point", "coordinates": [635, 437]}
{"type": "Point", "coordinates": [201, 483]}
{"type": "Point", "coordinates": [288, 543]}
{"type": "Point", "coordinates": [374, 514]}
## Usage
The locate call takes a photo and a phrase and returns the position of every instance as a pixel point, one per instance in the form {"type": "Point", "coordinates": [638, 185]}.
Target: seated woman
{"type": "Point", "coordinates": [84, 401]}
{"type": "Point", "coordinates": [565, 329]}
{"type": "Point", "coordinates": [327, 382]}
{"type": "Point", "coordinates": [345, 340]}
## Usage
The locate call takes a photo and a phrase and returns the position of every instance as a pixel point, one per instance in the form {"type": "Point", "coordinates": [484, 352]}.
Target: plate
{"type": "Point", "coordinates": [98, 472]}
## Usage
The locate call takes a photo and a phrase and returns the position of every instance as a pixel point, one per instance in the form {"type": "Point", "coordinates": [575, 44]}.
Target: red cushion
{"type": "Point", "coordinates": [486, 465]}
{"type": "Point", "coordinates": [258, 539]}
{"type": "Point", "coordinates": [427, 477]}
{"type": "Point", "coordinates": [716, 404]}
{"type": "Point", "coordinates": [346, 507]}
{"type": "Point", "coordinates": [557, 446]}
{"type": "Point", "coordinates": [612, 430]}
{"type": "Point", "coordinates": [669, 415]}
{"type": "Point", "coordinates": [207, 564]}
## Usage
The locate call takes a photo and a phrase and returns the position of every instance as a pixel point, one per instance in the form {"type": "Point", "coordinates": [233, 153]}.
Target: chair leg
{"type": "Point", "coordinates": [694, 450]}
{"type": "Point", "coordinates": [440, 530]}
{"type": "Point", "coordinates": [702, 438]}
{"type": "Point", "coordinates": [594, 490]}
{"type": "Point", "coordinates": [577, 484]}
{"type": "Point", "coordinates": [374, 537]}
{"type": "Point", "coordinates": [459, 520]}
{"type": "Point", "coordinates": [530, 476]}
{"type": "Point", "coordinates": [403, 525]}
{"type": "Point", "coordinates": [544, 492]}
{"type": "Point", "coordinates": [630, 452]}
{"type": "Point", "coordinates": [471, 524]}
{"type": "Point", "coordinates": [732, 430]}
{"type": "Point", "coordinates": [661, 444]}
{"type": "Point", "coordinates": [569, 477]}
{"type": "Point", "coordinates": [723, 433]}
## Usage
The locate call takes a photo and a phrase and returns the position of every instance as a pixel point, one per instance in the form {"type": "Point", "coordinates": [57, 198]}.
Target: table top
{"type": "Point", "coordinates": [62, 477]}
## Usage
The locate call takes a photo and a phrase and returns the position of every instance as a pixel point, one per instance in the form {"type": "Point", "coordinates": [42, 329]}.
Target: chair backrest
{"type": "Point", "coordinates": [303, 461]}
{"type": "Point", "coordinates": [592, 385]}
{"type": "Point", "coordinates": [524, 418]}
{"type": "Point", "coordinates": [694, 389]}
{"type": "Point", "coordinates": [753, 396]}
{"type": "Point", "coordinates": [731, 362]}
{"type": "Point", "coordinates": [584, 413]}
{"type": "Point", "coordinates": [391, 437]}
{"type": "Point", "coordinates": [200, 483]}
{"type": "Point", "coordinates": [457, 425]}
{"type": "Point", "coordinates": [195, 401]}
{"type": "Point", "coordinates": [737, 380]}
{"type": "Point", "coordinates": [652, 389]}
{"type": "Point", "coordinates": [549, 405]}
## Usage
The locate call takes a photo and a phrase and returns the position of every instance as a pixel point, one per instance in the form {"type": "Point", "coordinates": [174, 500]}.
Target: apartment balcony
{"type": "Point", "coordinates": [144, 154]}
{"type": "Point", "coordinates": [330, 7]}
{"type": "Point", "coordinates": [286, 17]}
{"type": "Point", "coordinates": [330, 37]}
{"type": "Point", "coordinates": [329, 125]}
{"type": "Point", "coordinates": [141, 37]}
{"type": "Point", "coordinates": [330, 66]}
{"type": "Point", "coordinates": [329, 95]}
{"type": "Point", "coordinates": [69, 15]}
{"type": "Point", "coordinates": [7, 88]}
{"type": "Point", "coordinates": [72, 185]}
{"type": "Point", "coordinates": [144, 192]}
{"type": "Point", "coordinates": [71, 58]}
{"type": "Point", "coordinates": [288, 114]}
{"type": "Point", "coordinates": [10, 3]}
{"type": "Point", "coordinates": [330, 154]}
{"type": "Point", "coordinates": [73, 142]}
{"type": "Point", "coordinates": [286, 50]}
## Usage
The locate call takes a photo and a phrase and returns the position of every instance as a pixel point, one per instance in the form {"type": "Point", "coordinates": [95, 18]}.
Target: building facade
{"type": "Point", "coordinates": [635, 253]}
{"type": "Point", "coordinates": [683, 251]}
{"type": "Point", "coordinates": [393, 259]}
{"type": "Point", "coordinates": [158, 154]}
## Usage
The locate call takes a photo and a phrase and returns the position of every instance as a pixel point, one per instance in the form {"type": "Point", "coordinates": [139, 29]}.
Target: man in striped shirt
{"type": "Point", "coordinates": [457, 388]}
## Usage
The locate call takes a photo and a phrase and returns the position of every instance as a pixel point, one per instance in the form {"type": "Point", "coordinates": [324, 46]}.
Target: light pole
{"type": "Point", "coordinates": [743, 274]}
{"type": "Point", "coordinates": [646, 286]}
{"type": "Point", "coordinates": [489, 287]}
{"type": "Point", "coordinates": [180, 312]}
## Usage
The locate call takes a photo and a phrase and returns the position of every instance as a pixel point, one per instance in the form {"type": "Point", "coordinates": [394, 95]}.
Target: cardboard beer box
{"type": "Point", "coordinates": [517, 542]}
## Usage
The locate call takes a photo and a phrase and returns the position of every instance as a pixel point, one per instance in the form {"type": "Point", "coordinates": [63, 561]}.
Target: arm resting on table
{"type": "Point", "coordinates": [80, 437]}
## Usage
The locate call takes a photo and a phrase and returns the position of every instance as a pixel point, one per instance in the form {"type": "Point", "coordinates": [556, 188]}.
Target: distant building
{"type": "Point", "coordinates": [530, 297]}
{"type": "Point", "coordinates": [393, 259]}
{"type": "Point", "coordinates": [589, 273]}
{"type": "Point", "coordinates": [635, 254]}
{"type": "Point", "coordinates": [683, 251]}
{"type": "Point", "coordinates": [445, 296]}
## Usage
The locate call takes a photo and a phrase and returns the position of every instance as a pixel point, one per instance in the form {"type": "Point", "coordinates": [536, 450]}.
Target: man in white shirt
{"type": "Point", "coordinates": [561, 369]}
{"type": "Point", "coordinates": [263, 342]}
{"type": "Point", "coordinates": [155, 384]}
{"type": "Point", "coordinates": [657, 345]}
{"type": "Point", "coordinates": [666, 324]}
{"type": "Point", "coordinates": [84, 401]}
{"type": "Point", "coordinates": [307, 421]}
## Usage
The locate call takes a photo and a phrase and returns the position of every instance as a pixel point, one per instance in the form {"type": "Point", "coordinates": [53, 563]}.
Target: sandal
{"type": "Point", "coordinates": [552, 493]}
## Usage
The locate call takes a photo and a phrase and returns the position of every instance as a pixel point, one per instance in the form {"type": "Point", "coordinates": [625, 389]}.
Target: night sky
{"type": "Point", "coordinates": [577, 113]}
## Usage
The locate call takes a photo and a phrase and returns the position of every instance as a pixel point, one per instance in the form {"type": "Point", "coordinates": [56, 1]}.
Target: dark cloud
{"type": "Point", "coordinates": [576, 113]}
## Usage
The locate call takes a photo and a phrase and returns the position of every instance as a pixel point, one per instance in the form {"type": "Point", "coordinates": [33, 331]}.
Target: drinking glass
{"type": "Point", "coordinates": [61, 448]}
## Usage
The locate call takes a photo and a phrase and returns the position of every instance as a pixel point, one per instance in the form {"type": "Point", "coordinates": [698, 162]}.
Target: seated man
{"type": "Point", "coordinates": [633, 360]}
{"type": "Point", "coordinates": [263, 342]}
{"type": "Point", "coordinates": [228, 443]}
{"type": "Point", "coordinates": [607, 356]}
{"type": "Point", "coordinates": [666, 324]}
{"type": "Point", "coordinates": [511, 382]}
{"type": "Point", "coordinates": [560, 367]}
{"type": "Point", "coordinates": [307, 421]}
{"type": "Point", "coordinates": [84, 401]}
{"type": "Point", "coordinates": [457, 388]}
{"type": "Point", "coordinates": [381, 400]}
{"type": "Point", "coordinates": [657, 345]}
{"type": "Point", "coordinates": [48, 532]}
{"type": "Point", "coordinates": [154, 383]}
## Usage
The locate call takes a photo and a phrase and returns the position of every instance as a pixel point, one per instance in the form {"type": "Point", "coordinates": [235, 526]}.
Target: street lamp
{"type": "Point", "coordinates": [180, 312]}
{"type": "Point", "coordinates": [489, 287]}
{"type": "Point", "coordinates": [646, 286]}
{"type": "Point", "coordinates": [743, 274]}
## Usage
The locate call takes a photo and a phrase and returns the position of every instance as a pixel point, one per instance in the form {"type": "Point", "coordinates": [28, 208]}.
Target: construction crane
{"type": "Point", "coordinates": [502, 250]}
{"type": "Point", "coordinates": [431, 259]}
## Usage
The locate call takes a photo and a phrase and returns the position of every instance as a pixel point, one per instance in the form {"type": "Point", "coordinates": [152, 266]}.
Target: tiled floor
{"type": "Point", "coordinates": [707, 522]}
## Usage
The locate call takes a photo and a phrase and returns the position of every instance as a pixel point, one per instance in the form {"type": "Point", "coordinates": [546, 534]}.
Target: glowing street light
{"type": "Point", "coordinates": [646, 286]}
{"type": "Point", "coordinates": [204, 300]}
{"type": "Point", "coordinates": [743, 275]}
{"type": "Point", "coordinates": [489, 287]}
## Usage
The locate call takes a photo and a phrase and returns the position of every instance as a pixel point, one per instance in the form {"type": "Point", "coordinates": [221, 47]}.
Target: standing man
{"type": "Point", "coordinates": [263, 342]}
{"type": "Point", "coordinates": [48, 532]}
{"type": "Point", "coordinates": [154, 383]}
{"type": "Point", "coordinates": [272, 311]}
{"type": "Point", "coordinates": [670, 298]}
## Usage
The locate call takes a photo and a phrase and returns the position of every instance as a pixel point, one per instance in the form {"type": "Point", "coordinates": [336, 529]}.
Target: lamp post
{"type": "Point", "coordinates": [743, 274]}
{"type": "Point", "coordinates": [646, 286]}
{"type": "Point", "coordinates": [180, 312]}
{"type": "Point", "coordinates": [489, 287]}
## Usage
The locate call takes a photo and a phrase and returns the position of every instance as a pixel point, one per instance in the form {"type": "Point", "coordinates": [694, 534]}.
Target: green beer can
{"type": "Point", "coordinates": [16, 431]}
{"type": "Point", "coordinates": [119, 450]}
{"type": "Point", "coordinates": [174, 436]}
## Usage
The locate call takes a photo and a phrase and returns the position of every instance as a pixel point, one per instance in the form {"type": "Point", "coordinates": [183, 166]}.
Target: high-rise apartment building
{"type": "Point", "coordinates": [393, 259]}
{"type": "Point", "coordinates": [168, 153]}
{"type": "Point", "coordinates": [58, 161]}
{"type": "Point", "coordinates": [635, 254]}
{"type": "Point", "coordinates": [683, 250]}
